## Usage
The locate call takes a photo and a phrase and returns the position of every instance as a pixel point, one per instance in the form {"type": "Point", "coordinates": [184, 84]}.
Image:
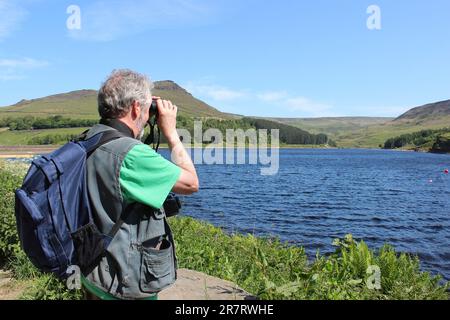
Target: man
{"type": "Point", "coordinates": [129, 181]}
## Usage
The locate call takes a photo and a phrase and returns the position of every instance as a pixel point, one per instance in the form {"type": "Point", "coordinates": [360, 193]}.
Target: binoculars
{"type": "Point", "coordinates": [154, 108]}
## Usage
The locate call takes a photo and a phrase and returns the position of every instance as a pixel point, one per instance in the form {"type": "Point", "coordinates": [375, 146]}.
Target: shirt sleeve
{"type": "Point", "coordinates": [146, 177]}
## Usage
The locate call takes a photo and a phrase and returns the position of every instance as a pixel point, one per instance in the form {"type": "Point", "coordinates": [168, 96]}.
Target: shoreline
{"type": "Point", "coordinates": [28, 152]}
{"type": "Point", "coordinates": [270, 263]}
{"type": "Point", "coordinates": [24, 152]}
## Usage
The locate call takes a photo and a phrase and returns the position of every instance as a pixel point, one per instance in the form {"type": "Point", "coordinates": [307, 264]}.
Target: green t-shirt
{"type": "Point", "coordinates": [146, 177]}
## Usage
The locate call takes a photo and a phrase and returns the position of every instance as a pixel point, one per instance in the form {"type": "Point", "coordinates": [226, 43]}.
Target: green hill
{"type": "Point", "coordinates": [367, 132]}
{"type": "Point", "coordinates": [187, 104]}
{"type": "Point", "coordinates": [83, 104]}
{"type": "Point", "coordinates": [334, 127]}
{"type": "Point", "coordinates": [428, 117]}
{"type": "Point", "coordinates": [433, 113]}
{"type": "Point", "coordinates": [349, 132]}
{"type": "Point", "coordinates": [431, 123]}
{"type": "Point", "coordinates": [54, 119]}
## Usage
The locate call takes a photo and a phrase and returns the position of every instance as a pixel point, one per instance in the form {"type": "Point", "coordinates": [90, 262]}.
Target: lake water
{"type": "Point", "coordinates": [400, 198]}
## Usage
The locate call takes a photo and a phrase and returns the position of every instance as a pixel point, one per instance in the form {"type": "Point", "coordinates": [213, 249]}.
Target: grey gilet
{"type": "Point", "coordinates": [131, 268]}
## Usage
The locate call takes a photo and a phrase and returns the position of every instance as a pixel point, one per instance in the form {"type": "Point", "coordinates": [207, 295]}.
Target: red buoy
{"type": "Point", "coordinates": [446, 171]}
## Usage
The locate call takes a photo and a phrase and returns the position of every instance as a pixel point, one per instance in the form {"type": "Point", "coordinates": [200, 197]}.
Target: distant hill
{"type": "Point", "coordinates": [430, 116]}
{"type": "Point", "coordinates": [83, 104]}
{"type": "Point", "coordinates": [434, 121]}
{"type": "Point", "coordinates": [350, 132]}
{"type": "Point", "coordinates": [368, 132]}
{"type": "Point", "coordinates": [188, 104]}
{"type": "Point", "coordinates": [78, 104]}
{"type": "Point", "coordinates": [430, 113]}
{"type": "Point", "coordinates": [333, 125]}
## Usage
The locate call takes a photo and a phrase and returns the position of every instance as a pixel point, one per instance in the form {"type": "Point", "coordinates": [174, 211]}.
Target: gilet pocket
{"type": "Point", "coordinates": [157, 268]}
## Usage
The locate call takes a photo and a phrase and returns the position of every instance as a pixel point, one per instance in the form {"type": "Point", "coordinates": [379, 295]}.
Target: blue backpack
{"type": "Point", "coordinates": [53, 213]}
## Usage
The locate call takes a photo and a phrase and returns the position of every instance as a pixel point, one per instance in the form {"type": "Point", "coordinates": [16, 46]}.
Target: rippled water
{"type": "Point", "coordinates": [400, 198]}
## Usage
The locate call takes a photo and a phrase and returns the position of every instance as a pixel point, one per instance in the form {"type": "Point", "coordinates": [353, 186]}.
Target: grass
{"type": "Point", "coordinates": [14, 138]}
{"type": "Point", "coordinates": [83, 105]}
{"type": "Point", "coordinates": [264, 267]}
{"type": "Point", "coordinates": [376, 135]}
{"type": "Point", "coordinates": [333, 126]}
{"type": "Point", "coordinates": [273, 270]}
{"type": "Point", "coordinates": [80, 108]}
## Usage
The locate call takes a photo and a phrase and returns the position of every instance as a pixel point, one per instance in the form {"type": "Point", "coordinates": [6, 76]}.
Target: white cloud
{"type": "Point", "coordinates": [9, 76]}
{"type": "Point", "coordinates": [272, 96]}
{"type": "Point", "coordinates": [109, 20]}
{"type": "Point", "coordinates": [302, 106]}
{"type": "Point", "coordinates": [308, 107]}
{"type": "Point", "coordinates": [11, 15]}
{"type": "Point", "coordinates": [281, 100]}
{"type": "Point", "coordinates": [16, 69]}
{"type": "Point", "coordinates": [25, 63]}
{"type": "Point", "coordinates": [217, 93]}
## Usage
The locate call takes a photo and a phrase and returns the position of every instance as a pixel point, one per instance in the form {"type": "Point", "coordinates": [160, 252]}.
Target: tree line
{"type": "Point", "coordinates": [416, 138]}
{"type": "Point", "coordinates": [52, 139]}
{"type": "Point", "coordinates": [288, 134]}
{"type": "Point", "coordinates": [54, 122]}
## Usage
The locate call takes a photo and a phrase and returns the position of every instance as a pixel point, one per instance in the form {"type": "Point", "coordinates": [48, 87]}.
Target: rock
{"type": "Point", "coordinates": [194, 285]}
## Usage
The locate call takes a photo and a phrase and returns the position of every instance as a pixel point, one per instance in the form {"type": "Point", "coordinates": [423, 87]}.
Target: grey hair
{"type": "Point", "coordinates": [120, 90]}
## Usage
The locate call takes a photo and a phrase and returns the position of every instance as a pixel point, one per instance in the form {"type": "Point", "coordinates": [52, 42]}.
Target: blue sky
{"type": "Point", "coordinates": [266, 58]}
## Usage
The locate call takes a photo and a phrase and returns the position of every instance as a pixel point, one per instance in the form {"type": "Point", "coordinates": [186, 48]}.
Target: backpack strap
{"type": "Point", "coordinates": [96, 141]}
{"type": "Point", "coordinates": [109, 237]}
{"type": "Point", "coordinates": [91, 145]}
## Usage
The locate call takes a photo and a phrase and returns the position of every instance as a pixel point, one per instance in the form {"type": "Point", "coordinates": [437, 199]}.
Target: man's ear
{"type": "Point", "coordinates": [135, 110]}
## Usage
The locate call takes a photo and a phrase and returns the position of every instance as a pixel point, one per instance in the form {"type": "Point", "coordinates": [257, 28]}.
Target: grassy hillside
{"type": "Point", "coordinates": [76, 104]}
{"type": "Point", "coordinates": [77, 108]}
{"type": "Point", "coordinates": [366, 132]}
{"type": "Point", "coordinates": [187, 104]}
{"type": "Point", "coordinates": [431, 116]}
{"type": "Point", "coordinates": [433, 112]}
{"type": "Point", "coordinates": [333, 126]}
{"type": "Point", "coordinates": [374, 136]}
{"type": "Point", "coordinates": [337, 129]}
{"type": "Point", "coordinates": [347, 132]}
{"type": "Point", "coordinates": [83, 104]}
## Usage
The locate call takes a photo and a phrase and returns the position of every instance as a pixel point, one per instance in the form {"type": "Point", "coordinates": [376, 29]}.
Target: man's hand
{"type": "Point", "coordinates": [167, 118]}
{"type": "Point", "coordinates": [167, 122]}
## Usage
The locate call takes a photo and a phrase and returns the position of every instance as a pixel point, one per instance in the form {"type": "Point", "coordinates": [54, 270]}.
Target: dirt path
{"type": "Point", "coordinates": [191, 285]}
{"type": "Point", "coordinates": [9, 289]}
{"type": "Point", "coordinates": [24, 151]}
